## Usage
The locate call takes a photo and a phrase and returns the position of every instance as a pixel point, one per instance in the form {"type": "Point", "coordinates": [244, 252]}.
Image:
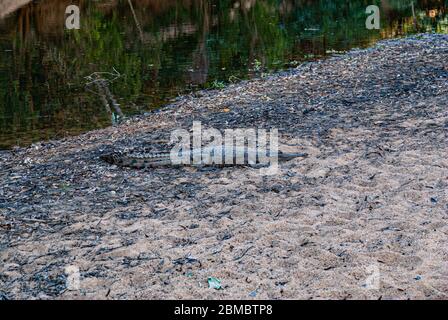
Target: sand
{"type": "Point", "coordinates": [363, 217]}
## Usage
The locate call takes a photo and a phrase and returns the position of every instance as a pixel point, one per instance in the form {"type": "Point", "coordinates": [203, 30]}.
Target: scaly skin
{"type": "Point", "coordinates": [154, 160]}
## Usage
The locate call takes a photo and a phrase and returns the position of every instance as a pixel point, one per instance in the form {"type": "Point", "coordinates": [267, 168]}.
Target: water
{"type": "Point", "coordinates": [167, 48]}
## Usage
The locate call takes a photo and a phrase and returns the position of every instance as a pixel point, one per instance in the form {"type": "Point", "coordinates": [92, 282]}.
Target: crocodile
{"type": "Point", "coordinates": [164, 159]}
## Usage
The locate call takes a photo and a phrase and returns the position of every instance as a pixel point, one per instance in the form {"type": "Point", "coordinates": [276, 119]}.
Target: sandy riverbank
{"type": "Point", "coordinates": [372, 195]}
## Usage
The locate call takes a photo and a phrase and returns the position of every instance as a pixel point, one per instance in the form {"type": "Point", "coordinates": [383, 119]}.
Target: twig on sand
{"type": "Point", "coordinates": [243, 253]}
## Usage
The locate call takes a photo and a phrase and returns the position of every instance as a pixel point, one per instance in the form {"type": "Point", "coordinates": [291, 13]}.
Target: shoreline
{"type": "Point", "coordinates": [374, 123]}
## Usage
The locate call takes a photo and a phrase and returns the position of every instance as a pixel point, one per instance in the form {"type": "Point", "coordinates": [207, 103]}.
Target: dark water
{"type": "Point", "coordinates": [168, 47]}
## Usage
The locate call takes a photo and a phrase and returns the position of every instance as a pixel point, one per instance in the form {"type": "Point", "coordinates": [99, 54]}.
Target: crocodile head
{"type": "Point", "coordinates": [112, 158]}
